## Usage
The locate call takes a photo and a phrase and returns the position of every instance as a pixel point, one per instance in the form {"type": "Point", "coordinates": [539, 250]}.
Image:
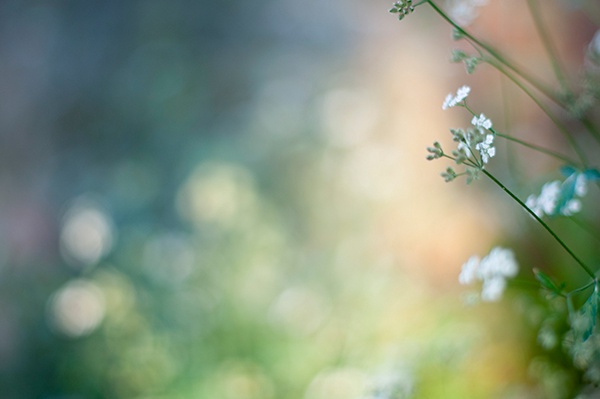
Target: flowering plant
{"type": "Point", "coordinates": [568, 325]}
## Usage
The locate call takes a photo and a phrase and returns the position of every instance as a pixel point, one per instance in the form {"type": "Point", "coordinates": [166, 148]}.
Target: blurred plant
{"type": "Point", "coordinates": [568, 324]}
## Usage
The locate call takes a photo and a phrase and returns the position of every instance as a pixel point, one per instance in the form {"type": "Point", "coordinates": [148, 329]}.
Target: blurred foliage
{"type": "Point", "coordinates": [177, 224]}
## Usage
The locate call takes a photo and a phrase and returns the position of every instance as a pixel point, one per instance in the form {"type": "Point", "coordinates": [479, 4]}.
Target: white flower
{"type": "Point", "coordinates": [453, 100]}
{"type": "Point", "coordinates": [500, 262]}
{"type": "Point", "coordinates": [545, 204]}
{"type": "Point", "coordinates": [571, 207]}
{"type": "Point", "coordinates": [493, 289]}
{"type": "Point", "coordinates": [485, 148]}
{"type": "Point", "coordinates": [549, 197]}
{"type": "Point", "coordinates": [548, 200]}
{"type": "Point", "coordinates": [468, 273]}
{"type": "Point", "coordinates": [532, 203]}
{"type": "Point", "coordinates": [581, 183]}
{"type": "Point", "coordinates": [475, 140]}
{"type": "Point", "coordinates": [493, 270]}
{"type": "Point", "coordinates": [482, 122]}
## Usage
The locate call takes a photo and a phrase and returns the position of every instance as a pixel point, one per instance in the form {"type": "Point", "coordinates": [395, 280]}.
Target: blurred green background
{"type": "Point", "coordinates": [230, 200]}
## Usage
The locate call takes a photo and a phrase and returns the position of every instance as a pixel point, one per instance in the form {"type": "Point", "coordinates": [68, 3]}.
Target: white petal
{"type": "Point", "coordinates": [581, 186]}
{"type": "Point", "coordinates": [493, 289]}
{"type": "Point", "coordinates": [468, 272]}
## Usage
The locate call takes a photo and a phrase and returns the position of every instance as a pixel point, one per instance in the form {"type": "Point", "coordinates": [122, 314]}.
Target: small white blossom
{"type": "Point", "coordinates": [500, 262]}
{"type": "Point", "coordinates": [493, 289]}
{"type": "Point", "coordinates": [468, 273]}
{"type": "Point", "coordinates": [533, 204]}
{"type": "Point", "coordinates": [485, 148]}
{"type": "Point", "coordinates": [545, 204]}
{"type": "Point", "coordinates": [548, 200]}
{"type": "Point", "coordinates": [452, 100]}
{"type": "Point", "coordinates": [571, 207]}
{"type": "Point", "coordinates": [549, 196]}
{"type": "Point", "coordinates": [581, 183]}
{"type": "Point", "coordinates": [493, 271]}
{"type": "Point", "coordinates": [482, 121]}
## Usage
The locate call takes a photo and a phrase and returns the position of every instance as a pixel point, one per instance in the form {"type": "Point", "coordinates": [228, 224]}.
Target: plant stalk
{"type": "Point", "coordinates": [540, 221]}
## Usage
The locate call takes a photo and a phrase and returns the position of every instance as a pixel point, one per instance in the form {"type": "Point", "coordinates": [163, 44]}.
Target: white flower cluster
{"type": "Point", "coordinates": [485, 148]}
{"type": "Point", "coordinates": [480, 139]}
{"type": "Point", "coordinates": [464, 12]}
{"type": "Point", "coordinates": [481, 121]}
{"type": "Point", "coordinates": [493, 270]}
{"type": "Point", "coordinates": [547, 203]}
{"type": "Point", "coordinates": [452, 100]}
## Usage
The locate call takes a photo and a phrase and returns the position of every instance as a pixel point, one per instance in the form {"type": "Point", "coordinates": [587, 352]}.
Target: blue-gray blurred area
{"type": "Point", "coordinates": [149, 151]}
{"type": "Point", "coordinates": [219, 199]}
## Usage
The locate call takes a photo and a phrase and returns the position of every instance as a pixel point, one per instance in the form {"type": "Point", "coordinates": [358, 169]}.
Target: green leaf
{"type": "Point", "coordinates": [589, 311]}
{"type": "Point", "coordinates": [567, 170]}
{"type": "Point", "coordinates": [592, 174]}
{"type": "Point", "coordinates": [547, 282]}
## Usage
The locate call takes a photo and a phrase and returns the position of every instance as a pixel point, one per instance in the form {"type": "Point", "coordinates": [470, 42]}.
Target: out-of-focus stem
{"type": "Point", "coordinates": [528, 77]}
{"type": "Point", "coordinates": [561, 127]}
{"type": "Point", "coordinates": [537, 148]}
{"type": "Point", "coordinates": [540, 221]}
{"type": "Point", "coordinates": [536, 15]}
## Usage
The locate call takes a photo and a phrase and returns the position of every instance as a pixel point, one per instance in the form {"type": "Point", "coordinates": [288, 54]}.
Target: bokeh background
{"type": "Point", "coordinates": [230, 200]}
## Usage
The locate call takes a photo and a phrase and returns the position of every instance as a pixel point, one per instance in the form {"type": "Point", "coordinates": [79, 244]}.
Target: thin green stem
{"type": "Point", "coordinates": [528, 77]}
{"type": "Point", "coordinates": [591, 127]}
{"type": "Point", "coordinates": [467, 162]}
{"type": "Point", "coordinates": [527, 284]}
{"type": "Point", "coordinates": [561, 127]}
{"type": "Point", "coordinates": [537, 148]}
{"type": "Point", "coordinates": [587, 227]}
{"type": "Point", "coordinates": [526, 144]}
{"type": "Point", "coordinates": [582, 288]}
{"type": "Point", "coordinates": [541, 222]}
{"type": "Point", "coordinates": [513, 162]}
{"type": "Point", "coordinates": [536, 15]}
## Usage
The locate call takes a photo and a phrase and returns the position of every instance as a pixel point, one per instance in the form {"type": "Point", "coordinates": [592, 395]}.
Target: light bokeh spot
{"type": "Point", "coordinates": [77, 308]}
{"type": "Point", "coordinates": [217, 193]}
{"type": "Point", "coordinates": [87, 233]}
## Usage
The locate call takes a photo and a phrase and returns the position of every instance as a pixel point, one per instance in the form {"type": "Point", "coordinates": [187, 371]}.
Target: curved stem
{"type": "Point", "coordinates": [591, 127]}
{"type": "Point", "coordinates": [561, 127]}
{"type": "Point", "coordinates": [524, 75]}
{"type": "Point", "coordinates": [467, 162]}
{"type": "Point", "coordinates": [513, 162]}
{"type": "Point", "coordinates": [534, 10]}
{"type": "Point", "coordinates": [526, 144]}
{"type": "Point", "coordinates": [528, 77]}
{"type": "Point", "coordinates": [537, 148]}
{"type": "Point", "coordinates": [540, 221]}
{"type": "Point", "coordinates": [587, 227]}
{"type": "Point", "coordinates": [582, 288]}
